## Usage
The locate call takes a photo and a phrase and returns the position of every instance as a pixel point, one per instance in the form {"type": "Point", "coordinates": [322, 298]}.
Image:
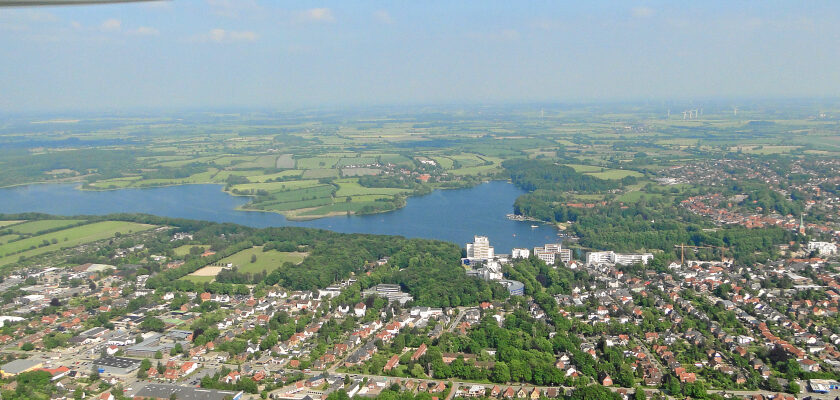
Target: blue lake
{"type": "Point", "coordinates": [451, 215]}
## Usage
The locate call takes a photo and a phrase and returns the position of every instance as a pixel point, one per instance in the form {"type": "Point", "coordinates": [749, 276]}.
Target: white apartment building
{"type": "Point", "coordinates": [823, 248]}
{"type": "Point", "coordinates": [552, 252]}
{"type": "Point", "coordinates": [520, 253]}
{"type": "Point", "coordinates": [547, 256]}
{"type": "Point", "coordinates": [480, 249]}
{"type": "Point", "coordinates": [610, 257]}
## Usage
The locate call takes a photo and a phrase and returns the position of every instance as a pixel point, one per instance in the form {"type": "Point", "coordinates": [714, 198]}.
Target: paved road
{"type": "Point", "coordinates": [461, 312]}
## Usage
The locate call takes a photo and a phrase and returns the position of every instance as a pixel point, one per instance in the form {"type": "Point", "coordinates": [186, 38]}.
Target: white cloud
{"type": "Point", "coordinates": [316, 15]}
{"type": "Point", "coordinates": [145, 31]}
{"type": "Point", "coordinates": [383, 17]}
{"type": "Point", "coordinates": [643, 12]}
{"type": "Point", "coordinates": [219, 35]}
{"type": "Point", "coordinates": [112, 24]}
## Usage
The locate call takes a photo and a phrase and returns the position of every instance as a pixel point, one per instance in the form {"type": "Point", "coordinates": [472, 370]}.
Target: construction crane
{"type": "Point", "coordinates": [683, 246]}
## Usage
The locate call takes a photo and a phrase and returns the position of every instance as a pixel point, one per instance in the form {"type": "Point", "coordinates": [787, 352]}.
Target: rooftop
{"type": "Point", "coordinates": [161, 391]}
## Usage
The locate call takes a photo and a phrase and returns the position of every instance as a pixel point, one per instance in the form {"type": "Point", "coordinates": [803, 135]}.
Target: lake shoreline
{"type": "Point", "coordinates": [450, 215]}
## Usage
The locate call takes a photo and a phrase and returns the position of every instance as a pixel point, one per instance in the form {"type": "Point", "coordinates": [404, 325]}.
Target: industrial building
{"type": "Point", "coordinates": [116, 365]}
{"type": "Point", "coordinates": [19, 366]}
{"type": "Point", "coordinates": [165, 392]}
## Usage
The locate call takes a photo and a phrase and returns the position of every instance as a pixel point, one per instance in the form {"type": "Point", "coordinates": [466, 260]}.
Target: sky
{"type": "Point", "coordinates": [195, 54]}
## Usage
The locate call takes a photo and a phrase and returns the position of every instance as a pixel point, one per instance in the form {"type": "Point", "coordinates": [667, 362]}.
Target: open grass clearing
{"type": "Point", "coordinates": [268, 161]}
{"type": "Point", "coordinates": [477, 170]}
{"type": "Point", "coordinates": [207, 271]}
{"type": "Point", "coordinates": [584, 168]}
{"type": "Point", "coordinates": [183, 162]}
{"type": "Point", "coordinates": [616, 174]}
{"type": "Point", "coordinates": [320, 173]}
{"type": "Point", "coordinates": [33, 227]}
{"type": "Point", "coordinates": [267, 177]}
{"type": "Point", "coordinates": [265, 260]}
{"type": "Point", "coordinates": [198, 279]}
{"type": "Point", "coordinates": [444, 162]}
{"type": "Point", "coordinates": [276, 186]}
{"type": "Point", "coordinates": [356, 161]}
{"type": "Point", "coordinates": [635, 196]}
{"type": "Point", "coordinates": [467, 160]}
{"type": "Point", "coordinates": [337, 208]}
{"type": "Point", "coordinates": [185, 249]}
{"type": "Point", "coordinates": [290, 205]}
{"type": "Point", "coordinates": [6, 238]}
{"type": "Point", "coordinates": [766, 150]}
{"type": "Point", "coordinates": [316, 162]}
{"type": "Point", "coordinates": [395, 159]}
{"type": "Point", "coordinates": [7, 223]}
{"type": "Point", "coordinates": [351, 187]}
{"type": "Point", "coordinates": [360, 171]}
{"type": "Point", "coordinates": [284, 161]}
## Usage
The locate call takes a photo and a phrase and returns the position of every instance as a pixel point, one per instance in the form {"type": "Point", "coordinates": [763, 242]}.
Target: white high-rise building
{"type": "Point", "coordinates": [480, 249]}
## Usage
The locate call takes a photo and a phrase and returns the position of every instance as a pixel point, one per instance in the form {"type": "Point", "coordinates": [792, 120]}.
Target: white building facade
{"type": "Point", "coordinates": [480, 249]}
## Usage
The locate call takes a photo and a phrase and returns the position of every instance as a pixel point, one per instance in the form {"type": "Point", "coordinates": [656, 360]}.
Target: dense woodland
{"type": "Point", "coordinates": [537, 174]}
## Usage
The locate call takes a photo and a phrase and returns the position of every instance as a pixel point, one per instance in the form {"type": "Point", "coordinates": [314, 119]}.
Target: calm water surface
{"type": "Point", "coordinates": [451, 215]}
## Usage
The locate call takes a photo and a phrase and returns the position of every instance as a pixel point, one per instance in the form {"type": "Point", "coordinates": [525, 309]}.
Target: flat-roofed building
{"type": "Point", "coordinates": [19, 366]}
{"type": "Point", "coordinates": [116, 365]}
{"type": "Point", "coordinates": [158, 391]}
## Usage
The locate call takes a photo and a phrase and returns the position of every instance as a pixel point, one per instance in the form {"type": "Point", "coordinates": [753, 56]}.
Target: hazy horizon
{"type": "Point", "coordinates": [221, 54]}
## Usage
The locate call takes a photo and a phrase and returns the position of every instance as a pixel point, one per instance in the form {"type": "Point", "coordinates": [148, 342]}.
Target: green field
{"type": "Point", "coordinates": [185, 249]}
{"type": "Point", "coordinates": [351, 187]}
{"type": "Point", "coordinates": [634, 197]}
{"type": "Point", "coordinates": [6, 238]}
{"type": "Point", "coordinates": [615, 174]}
{"type": "Point", "coordinates": [28, 247]}
{"type": "Point", "coordinates": [33, 227]}
{"type": "Point", "coordinates": [259, 162]}
{"type": "Point", "coordinates": [7, 223]}
{"type": "Point", "coordinates": [584, 168]}
{"type": "Point", "coordinates": [316, 162]}
{"type": "Point", "coordinates": [276, 186]}
{"type": "Point", "coordinates": [395, 159]}
{"type": "Point", "coordinates": [477, 170]}
{"type": "Point", "coordinates": [359, 171]}
{"type": "Point", "coordinates": [444, 162]}
{"type": "Point", "coordinates": [320, 173]}
{"type": "Point", "coordinates": [198, 279]}
{"type": "Point", "coordinates": [266, 260]}
{"type": "Point", "coordinates": [285, 161]}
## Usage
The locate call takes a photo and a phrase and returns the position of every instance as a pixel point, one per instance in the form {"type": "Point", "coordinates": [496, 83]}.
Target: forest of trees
{"type": "Point", "coordinates": [531, 175]}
